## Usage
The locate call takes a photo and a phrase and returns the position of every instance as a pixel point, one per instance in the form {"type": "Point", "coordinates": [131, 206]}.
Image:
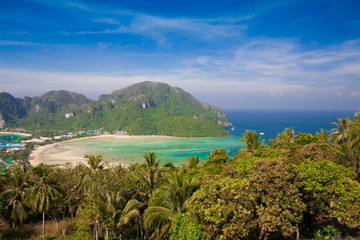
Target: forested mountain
{"type": "Point", "coordinates": [10, 108]}
{"type": "Point", "coordinates": [53, 101]}
{"type": "Point", "coordinates": [144, 108]}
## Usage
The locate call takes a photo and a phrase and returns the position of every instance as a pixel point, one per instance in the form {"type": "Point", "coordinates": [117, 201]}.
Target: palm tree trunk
{"type": "Point", "coordinates": [297, 232]}
{"type": "Point", "coordinates": [107, 234]}
{"type": "Point", "coordinates": [262, 233]}
{"type": "Point", "coordinates": [96, 230]}
{"type": "Point", "coordinates": [43, 225]}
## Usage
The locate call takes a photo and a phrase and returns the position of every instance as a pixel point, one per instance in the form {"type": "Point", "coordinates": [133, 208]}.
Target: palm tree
{"type": "Point", "coordinates": [132, 212]}
{"type": "Point", "coordinates": [42, 192]}
{"type": "Point", "coordinates": [354, 131]}
{"type": "Point", "coordinates": [90, 185]}
{"type": "Point", "coordinates": [15, 194]}
{"type": "Point", "coordinates": [150, 174]}
{"type": "Point", "coordinates": [91, 177]}
{"type": "Point", "coordinates": [150, 160]}
{"type": "Point", "coordinates": [252, 141]}
{"type": "Point", "coordinates": [286, 137]}
{"type": "Point", "coordinates": [347, 134]}
{"type": "Point", "coordinates": [95, 162]}
{"type": "Point", "coordinates": [341, 132]}
{"type": "Point", "coordinates": [167, 201]}
{"type": "Point", "coordinates": [354, 136]}
{"type": "Point", "coordinates": [191, 163]}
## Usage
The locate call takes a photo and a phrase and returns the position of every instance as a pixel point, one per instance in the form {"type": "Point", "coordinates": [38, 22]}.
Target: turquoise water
{"type": "Point", "coordinates": [175, 150]}
{"type": "Point", "coordinates": [9, 138]}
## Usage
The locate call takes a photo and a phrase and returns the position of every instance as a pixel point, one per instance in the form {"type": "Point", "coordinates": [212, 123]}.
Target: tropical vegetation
{"type": "Point", "coordinates": [299, 186]}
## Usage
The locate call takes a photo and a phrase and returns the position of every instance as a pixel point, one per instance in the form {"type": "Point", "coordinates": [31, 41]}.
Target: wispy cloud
{"type": "Point", "coordinates": [20, 43]}
{"type": "Point", "coordinates": [77, 5]}
{"type": "Point", "coordinates": [283, 60]}
{"type": "Point", "coordinates": [64, 3]}
{"type": "Point", "coordinates": [159, 28]}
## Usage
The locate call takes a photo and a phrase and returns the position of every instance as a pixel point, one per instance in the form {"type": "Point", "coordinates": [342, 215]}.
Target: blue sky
{"type": "Point", "coordinates": [286, 54]}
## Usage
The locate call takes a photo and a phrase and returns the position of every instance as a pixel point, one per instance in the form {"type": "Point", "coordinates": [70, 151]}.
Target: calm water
{"type": "Point", "coordinates": [170, 150]}
{"type": "Point", "coordinates": [9, 138]}
{"type": "Point", "coordinates": [177, 150]}
{"type": "Point", "coordinates": [273, 122]}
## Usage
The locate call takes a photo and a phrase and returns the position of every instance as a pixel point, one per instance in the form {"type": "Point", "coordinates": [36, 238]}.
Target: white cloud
{"type": "Point", "coordinates": [158, 28]}
{"type": "Point", "coordinates": [284, 61]}
{"type": "Point", "coordinates": [20, 43]}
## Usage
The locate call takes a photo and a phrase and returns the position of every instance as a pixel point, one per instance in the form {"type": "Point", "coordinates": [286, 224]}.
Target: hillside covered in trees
{"type": "Point", "coordinates": [299, 186]}
{"type": "Point", "coordinates": [147, 108]}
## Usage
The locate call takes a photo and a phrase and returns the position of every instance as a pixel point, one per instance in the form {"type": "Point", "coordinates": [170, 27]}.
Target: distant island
{"type": "Point", "coordinates": [146, 108]}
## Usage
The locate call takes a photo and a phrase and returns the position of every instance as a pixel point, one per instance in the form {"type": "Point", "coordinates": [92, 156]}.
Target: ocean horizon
{"type": "Point", "coordinates": [272, 122]}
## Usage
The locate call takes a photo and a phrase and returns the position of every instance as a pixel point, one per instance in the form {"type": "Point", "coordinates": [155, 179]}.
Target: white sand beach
{"type": "Point", "coordinates": [15, 133]}
{"type": "Point", "coordinates": [61, 153]}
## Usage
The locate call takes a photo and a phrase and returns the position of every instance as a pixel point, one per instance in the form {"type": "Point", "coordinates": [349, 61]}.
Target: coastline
{"type": "Point", "coordinates": [70, 155]}
{"type": "Point", "coordinates": [15, 133]}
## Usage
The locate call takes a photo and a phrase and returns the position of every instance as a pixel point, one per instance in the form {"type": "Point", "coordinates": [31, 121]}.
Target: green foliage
{"type": "Point", "coordinates": [330, 189]}
{"type": "Point", "coordinates": [283, 190]}
{"type": "Point", "coordinates": [168, 201]}
{"type": "Point", "coordinates": [217, 161]}
{"type": "Point", "coordinates": [326, 233]}
{"type": "Point", "coordinates": [251, 140]}
{"type": "Point", "coordinates": [277, 187]}
{"type": "Point", "coordinates": [224, 207]}
{"type": "Point", "coordinates": [307, 138]}
{"type": "Point", "coordinates": [320, 150]}
{"type": "Point", "coordinates": [183, 227]}
{"type": "Point", "coordinates": [284, 139]}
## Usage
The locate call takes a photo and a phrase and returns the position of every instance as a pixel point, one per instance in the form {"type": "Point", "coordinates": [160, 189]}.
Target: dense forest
{"type": "Point", "coordinates": [298, 186]}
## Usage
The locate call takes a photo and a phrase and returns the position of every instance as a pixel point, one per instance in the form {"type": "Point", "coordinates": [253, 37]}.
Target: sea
{"type": "Point", "coordinates": [268, 123]}
{"type": "Point", "coordinates": [272, 122]}
{"type": "Point", "coordinates": [5, 138]}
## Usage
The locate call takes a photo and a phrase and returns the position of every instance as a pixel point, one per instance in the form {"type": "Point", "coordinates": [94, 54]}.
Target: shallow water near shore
{"type": "Point", "coordinates": [175, 150]}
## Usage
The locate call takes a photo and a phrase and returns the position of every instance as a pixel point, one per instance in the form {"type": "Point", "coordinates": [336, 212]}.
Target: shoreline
{"type": "Point", "coordinates": [15, 133]}
{"type": "Point", "coordinates": [71, 155]}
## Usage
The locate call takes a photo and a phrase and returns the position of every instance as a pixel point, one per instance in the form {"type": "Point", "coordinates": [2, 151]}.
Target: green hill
{"type": "Point", "coordinates": [10, 109]}
{"type": "Point", "coordinates": [147, 108]}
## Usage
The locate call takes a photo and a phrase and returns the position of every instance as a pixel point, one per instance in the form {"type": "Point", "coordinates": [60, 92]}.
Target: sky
{"type": "Point", "coordinates": [234, 54]}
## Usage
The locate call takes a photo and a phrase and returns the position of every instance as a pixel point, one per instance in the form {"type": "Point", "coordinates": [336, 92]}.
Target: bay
{"type": "Point", "coordinates": [176, 150]}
